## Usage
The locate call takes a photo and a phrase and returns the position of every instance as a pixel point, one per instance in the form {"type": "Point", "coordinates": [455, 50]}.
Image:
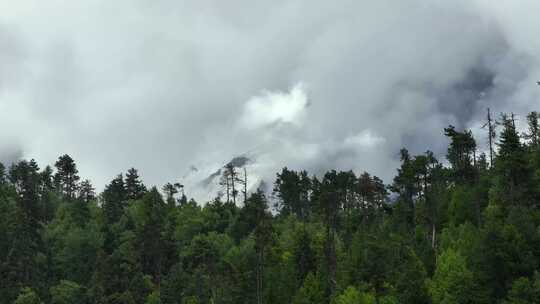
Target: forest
{"type": "Point", "coordinates": [461, 229]}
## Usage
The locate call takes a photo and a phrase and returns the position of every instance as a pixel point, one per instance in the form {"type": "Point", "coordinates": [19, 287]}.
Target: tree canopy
{"type": "Point", "coordinates": [454, 230]}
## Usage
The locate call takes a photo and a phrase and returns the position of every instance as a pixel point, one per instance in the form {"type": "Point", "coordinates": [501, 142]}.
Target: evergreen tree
{"type": "Point", "coordinates": [514, 174]}
{"type": "Point", "coordinates": [230, 180]}
{"type": "Point", "coordinates": [462, 232]}
{"type": "Point", "coordinates": [351, 295]}
{"type": "Point", "coordinates": [27, 296]}
{"type": "Point", "coordinates": [66, 178]}
{"type": "Point", "coordinates": [3, 177]}
{"type": "Point", "coordinates": [86, 191]}
{"type": "Point", "coordinates": [292, 190]}
{"type": "Point", "coordinates": [406, 186]}
{"type": "Point", "coordinates": [114, 199]}
{"type": "Point", "coordinates": [67, 292]}
{"type": "Point", "coordinates": [533, 132]}
{"type": "Point", "coordinates": [263, 237]}
{"type": "Point", "coordinates": [170, 191]}
{"type": "Point", "coordinates": [452, 282]}
{"type": "Point", "coordinates": [461, 154]}
{"type": "Point", "coordinates": [304, 255]}
{"type": "Point", "coordinates": [149, 234]}
{"type": "Point", "coordinates": [22, 266]}
{"type": "Point", "coordinates": [524, 291]}
{"type": "Point", "coordinates": [312, 291]}
{"type": "Point", "coordinates": [135, 189]}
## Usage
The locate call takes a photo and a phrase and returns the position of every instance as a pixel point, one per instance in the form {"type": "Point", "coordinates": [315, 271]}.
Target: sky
{"type": "Point", "coordinates": [170, 87]}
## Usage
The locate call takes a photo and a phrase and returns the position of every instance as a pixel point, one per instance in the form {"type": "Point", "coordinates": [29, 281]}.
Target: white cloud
{"type": "Point", "coordinates": [275, 107]}
{"type": "Point", "coordinates": [161, 85]}
{"type": "Point", "coordinates": [366, 139]}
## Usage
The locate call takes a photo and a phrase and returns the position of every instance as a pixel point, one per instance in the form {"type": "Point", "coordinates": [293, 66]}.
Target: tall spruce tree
{"type": "Point", "coordinates": [114, 199]}
{"type": "Point", "coordinates": [513, 182]}
{"type": "Point", "coordinates": [461, 154]}
{"type": "Point", "coordinates": [135, 189]}
{"type": "Point", "coordinates": [66, 178]}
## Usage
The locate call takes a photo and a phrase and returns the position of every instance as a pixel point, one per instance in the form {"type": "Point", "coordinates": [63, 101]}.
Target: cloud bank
{"type": "Point", "coordinates": [166, 85]}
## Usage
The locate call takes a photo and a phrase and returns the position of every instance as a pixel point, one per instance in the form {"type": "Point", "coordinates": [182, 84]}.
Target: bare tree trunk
{"type": "Point", "coordinates": [259, 276]}
{"type": "Point", "coordinates": [491, 135]}
{"type": "Point", "coordinates": [245, 185]}
{"type": "Point", "coordinates": [233, 177]}
{"type": "Point", "coordinates": [331, 262]}
{"type": "Point", "coordinates": [433, 233]}
{"type": "Point", "coordinates": [228, 190]}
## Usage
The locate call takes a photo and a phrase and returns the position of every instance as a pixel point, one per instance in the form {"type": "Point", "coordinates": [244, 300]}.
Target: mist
{"type": "Point", "coordinates": [168, 86]}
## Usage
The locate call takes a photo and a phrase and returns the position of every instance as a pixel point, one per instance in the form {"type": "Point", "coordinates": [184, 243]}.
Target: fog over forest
{"type": "Point", "coordinates": [171, 85]}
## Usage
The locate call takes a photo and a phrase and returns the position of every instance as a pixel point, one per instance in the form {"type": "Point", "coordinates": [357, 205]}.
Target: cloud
{"type": "Point", "coordinates": [165, 85]}
{"type": "Point", "coordinates": [364, 139]}
{"type": "Point", "coordinates": [275, 107]}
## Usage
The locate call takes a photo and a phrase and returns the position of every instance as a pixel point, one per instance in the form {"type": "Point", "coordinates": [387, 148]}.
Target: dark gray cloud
{"type": "Point", "coordinates": [166, 85]}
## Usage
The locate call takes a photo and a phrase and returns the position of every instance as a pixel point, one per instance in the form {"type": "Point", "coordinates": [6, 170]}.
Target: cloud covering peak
{"type": "Point", "coordinates": [164, 85]}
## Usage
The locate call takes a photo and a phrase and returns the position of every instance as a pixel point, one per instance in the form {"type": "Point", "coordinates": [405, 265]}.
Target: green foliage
{"type": "Point", "coordinates": [468, 232]}
{"type": "Point", "coordinates": [67, 292]}
{"type": "Point", "coordinates": [461, 154]}
{"type": "Point", "coordinates": [292, 190]}
{"type": "Point", "coordinates": [66, 178]}
{"type": "Point", "coordinates": [351, 295]}
{"type": "Point", "coordinates": [452, 282]}
{"type": "Point", "coordinates": [27, 296]}
{"type": "Point", "coordinates": [524, 291]}
{"type": "Point", "coordinates": [410, 279]}
{"type": "Point", "coordinates": [153, 298]}
{"type": "Point", "coordinates": [462, 207]}
{"type": "Point", "coordinates": [311, 292]}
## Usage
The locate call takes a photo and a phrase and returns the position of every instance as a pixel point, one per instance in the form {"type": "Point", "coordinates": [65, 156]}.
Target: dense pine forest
{"type": "Point", "coordinates": [464, 229]}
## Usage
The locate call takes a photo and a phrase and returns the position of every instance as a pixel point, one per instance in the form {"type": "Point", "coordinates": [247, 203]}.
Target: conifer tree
{"type": "Point", "coordinates": [86, 191]}
{"type": "Point", "coordinates": [292, 188]}
{"type": "Point", "coordinates": [114, 199]}
{"type": "Point", "coordinates": [405, 184]}
{"type": "Point", "coordinates": [66, 178]}
{"type": "Point", "coordinates": [22, 267]}
{"type": "Point", "coordinates": [3, 177]}
{"type": "Point", "coordinates": [533, 132]}
{"type": "Point", "coordinates": [135, 189]}
{"type": "Point", "coordinates": [461, 154]}
{"type": "Point", "coordinates": [514, 174]}
{"type": "Point", "coordinates": [170, 191]}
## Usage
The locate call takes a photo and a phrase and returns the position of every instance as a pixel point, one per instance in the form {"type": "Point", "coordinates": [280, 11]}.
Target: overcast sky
{"type": "Point", "coordinates": [166, 85]}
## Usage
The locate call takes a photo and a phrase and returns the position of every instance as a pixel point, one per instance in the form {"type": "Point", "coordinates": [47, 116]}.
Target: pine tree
{"type": "Point", "coordinates": [304, 256]}
{"type": "Point", "coordinates": [86, 191]}
{"type": "Point", "coordinates": [292, 190]}
{"type": "Point", "coordinates": [3, 177]}
{"type": "Point", "coordinates": [452, 282]}
{"type": "Point", "coordinates": [28, 296]}
{"type": "Point", "coordinates": [22, 267]}
{"type": "Point", "coordinates": [114, 199]}
{"type": "Point", "coordinates": [533, 132]}
{"type": "Point", "coordinates": [330, 206]}
{"type": "Point", "coordinates": [66, 178]}
{"type": "Point", "coordinates": [312, 291]}
{"type": "Point", "coordinates": [514, 174]}
{"type": "Point", "coordinates": [230, 180]}
{"type": "Point", "coordinates": [461, 154]}
{"type": "Point", "coordinates": [135, 189]}
{"type": "Point", "coordinates": [149, 231]}
{"type": "Point", "coordinates": [170, 191]}
{"type": "Point", "coordinates": [263, 236]}
{"type": "Point", "coordinates": [405, 184]}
